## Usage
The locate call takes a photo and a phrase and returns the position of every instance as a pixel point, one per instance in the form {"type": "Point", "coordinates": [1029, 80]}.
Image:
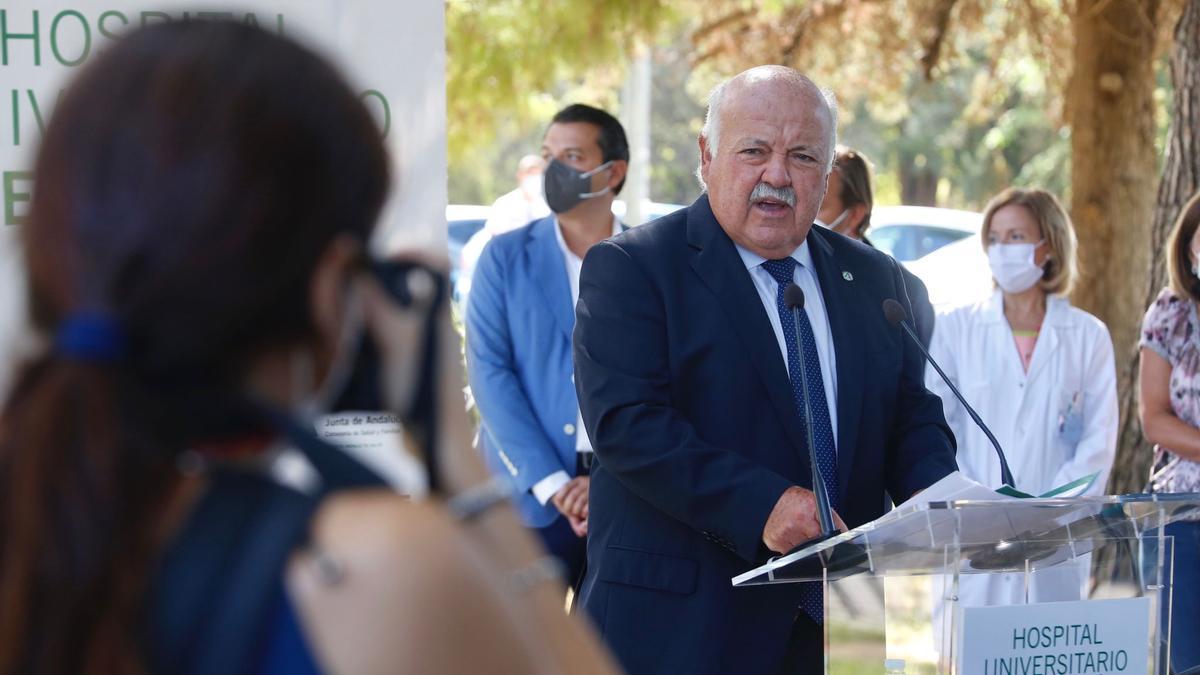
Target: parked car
{"type": "Point", "coordinates": [955, 274]}
{"type": "Point", "coordinates": [912, 232]}
{"type": "Point", "coordinates": [650, 210]}
{"type": "Point", "coordinates": [462, 222]}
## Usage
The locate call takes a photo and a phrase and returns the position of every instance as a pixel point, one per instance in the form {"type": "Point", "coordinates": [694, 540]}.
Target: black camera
{"type": "Point", "coordinates": [415, 287]}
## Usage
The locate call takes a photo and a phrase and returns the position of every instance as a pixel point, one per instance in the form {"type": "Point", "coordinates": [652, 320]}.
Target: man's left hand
{"type": "Point", "coordinates": [572, 499]}
{"type": "Point", "coordinates": [578, 525]}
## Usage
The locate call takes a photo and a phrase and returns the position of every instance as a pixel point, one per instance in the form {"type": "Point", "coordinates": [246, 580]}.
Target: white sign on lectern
{"type": "Point", "coordinates": [1057, 638]}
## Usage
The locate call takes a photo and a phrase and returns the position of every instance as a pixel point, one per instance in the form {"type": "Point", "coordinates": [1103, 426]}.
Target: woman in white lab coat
{"type": "Point", "coordinates": [1038, 371]}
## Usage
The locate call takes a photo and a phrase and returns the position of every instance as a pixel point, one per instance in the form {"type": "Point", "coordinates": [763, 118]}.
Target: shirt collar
{"type": "Point", "coordinates": [801, 255]}
{"type": "Point", "coordinates": [992, 309]}
{"type": "Point", "coordinates": [562, 243]}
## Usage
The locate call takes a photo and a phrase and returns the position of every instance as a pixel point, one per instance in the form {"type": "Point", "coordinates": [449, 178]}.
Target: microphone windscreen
{"type": "Point", "coordinates": [894, 311]}
{"type": "Point", "coordinates": [793, 297]}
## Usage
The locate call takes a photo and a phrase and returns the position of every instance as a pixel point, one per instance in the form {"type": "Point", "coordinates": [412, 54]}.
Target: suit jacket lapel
{"type": "Point", "coordinates": [548, 268]}
{"type": "Point", "coordinates": [840, 295]}
{"type": "Point", "coordinates": [716, 261]}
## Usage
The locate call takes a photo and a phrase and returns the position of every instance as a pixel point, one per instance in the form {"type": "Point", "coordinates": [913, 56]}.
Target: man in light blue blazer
{"type": "Point", "coordinates": [520, 315]}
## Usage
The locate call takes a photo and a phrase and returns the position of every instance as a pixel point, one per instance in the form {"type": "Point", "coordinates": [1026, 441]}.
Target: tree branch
{"type": "Point", "coordinates": [719, 24]}
{"type": "Point", "coordinates": [798, 33]}
{"type": "Point", "coordinates": [1098, 9]}
{"type": "Point", "coordinates": [1116, 33]}
{"type": "Point", "coordinates": [933, 47]}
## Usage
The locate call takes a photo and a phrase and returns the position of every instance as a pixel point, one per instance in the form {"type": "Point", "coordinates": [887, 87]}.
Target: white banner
{"type": "Point", "coordinates": [1057, 638]}
{"type": "Point", "coordinates": [392, 52]}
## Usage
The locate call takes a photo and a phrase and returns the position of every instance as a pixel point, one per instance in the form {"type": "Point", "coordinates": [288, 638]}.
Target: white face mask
{"type": "Point", "coordinates": [1013, 267]}
{"type": "Point", "coordinates": [836, 221]}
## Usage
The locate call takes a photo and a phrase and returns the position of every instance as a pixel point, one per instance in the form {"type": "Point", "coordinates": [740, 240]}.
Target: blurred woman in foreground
{"type": "Point", "coordinates": [196, 261]}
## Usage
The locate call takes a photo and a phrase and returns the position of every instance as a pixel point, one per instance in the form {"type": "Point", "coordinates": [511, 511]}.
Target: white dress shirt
{"type": "Point", "coordinates": [804, 276]}
{"type": "Point", "coordinates": [547, 487]}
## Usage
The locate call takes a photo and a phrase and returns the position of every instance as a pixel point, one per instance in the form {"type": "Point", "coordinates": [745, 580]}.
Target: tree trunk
{"type": "Point", "coordinates": [1110, 106]}
{"type": "Point", "coordinates": [918, 184]}
{"type": "Point", "coordinates": [1180, 180]}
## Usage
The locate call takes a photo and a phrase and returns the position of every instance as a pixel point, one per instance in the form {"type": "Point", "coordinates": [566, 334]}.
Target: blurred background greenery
{"type": "Point", "coordinates": [949, 118]}
{"type": "Point", "coordinates": [1097, 101]}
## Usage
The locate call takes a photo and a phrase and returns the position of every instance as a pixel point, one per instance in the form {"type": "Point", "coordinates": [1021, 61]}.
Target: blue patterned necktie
{"type": "Point", "coordinates": [805, 356]}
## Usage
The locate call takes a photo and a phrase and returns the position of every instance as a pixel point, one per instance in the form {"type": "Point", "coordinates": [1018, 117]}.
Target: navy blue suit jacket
{"type": "Point", "coordinates": [686, 397]}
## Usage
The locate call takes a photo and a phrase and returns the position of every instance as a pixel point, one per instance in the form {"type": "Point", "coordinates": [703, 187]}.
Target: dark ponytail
{"type": "Point", "coordinates": [186, 187]}
{"type": "Point", "coordinates": [77, 508]}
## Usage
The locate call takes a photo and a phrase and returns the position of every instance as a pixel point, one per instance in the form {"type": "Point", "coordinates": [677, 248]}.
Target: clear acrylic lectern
{"type": "Point", "coordinates": [892, 585]}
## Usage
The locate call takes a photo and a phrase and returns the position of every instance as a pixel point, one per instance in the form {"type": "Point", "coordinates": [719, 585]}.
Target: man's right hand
{"type": "Point", "coordinates": [794, 521]}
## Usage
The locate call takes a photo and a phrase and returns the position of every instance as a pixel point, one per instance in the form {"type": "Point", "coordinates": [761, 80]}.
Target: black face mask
{"type": "Point", "coordinates": [566, 187]}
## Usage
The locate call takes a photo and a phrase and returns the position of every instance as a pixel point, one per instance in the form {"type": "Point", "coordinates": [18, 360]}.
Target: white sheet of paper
{"type": "Point", "coordinates": [954, 486]}
{"type": "Point", "coordinates": [374, 439]}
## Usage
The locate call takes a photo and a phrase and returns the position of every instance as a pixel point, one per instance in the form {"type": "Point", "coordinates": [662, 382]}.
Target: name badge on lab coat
{"type": "Point", "coordinates": [1070, 418]}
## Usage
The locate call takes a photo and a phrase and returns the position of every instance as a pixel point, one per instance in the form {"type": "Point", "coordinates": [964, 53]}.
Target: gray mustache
{"type": "Point", "coordinates": [764, 191]}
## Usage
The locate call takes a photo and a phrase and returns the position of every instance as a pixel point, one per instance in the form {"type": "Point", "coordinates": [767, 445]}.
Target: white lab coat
{"type": "Point", "coordinates": [1056, 424]}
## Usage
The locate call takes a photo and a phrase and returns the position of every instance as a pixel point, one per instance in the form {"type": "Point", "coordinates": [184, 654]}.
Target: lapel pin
{"type": "Point", "coordinates": [847, 276]}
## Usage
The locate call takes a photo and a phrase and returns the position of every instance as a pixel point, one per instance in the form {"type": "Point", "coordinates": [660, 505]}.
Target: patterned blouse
{"type": "Point", "coordinates": [1172, 329]}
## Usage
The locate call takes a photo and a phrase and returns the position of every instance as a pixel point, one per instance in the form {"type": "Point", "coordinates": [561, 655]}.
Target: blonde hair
{"type": "Point", "coordinates": [1179, 262]}
{"type": "Point", "coordinates": [1061, 267]}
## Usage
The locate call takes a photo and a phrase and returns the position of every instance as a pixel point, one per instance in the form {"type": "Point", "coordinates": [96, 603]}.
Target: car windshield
{"type": "Point", "coordinates": [907, 242]}
{"type": "Point", "coordinates": [459, 231]}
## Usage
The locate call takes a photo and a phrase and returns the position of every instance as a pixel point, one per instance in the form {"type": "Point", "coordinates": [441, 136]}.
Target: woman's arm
{"type": "Point", "coordinates": [417, 590]}
{"type": "Point", "coordinates": [1159, 423]}
{"type": "Point", "coordinates": [393, 586]}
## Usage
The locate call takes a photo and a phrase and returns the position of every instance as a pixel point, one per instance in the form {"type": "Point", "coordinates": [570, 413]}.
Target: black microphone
{"type": "Point", "coordinates": [793, 297]}
{"type": "Point", "coordinates": [895, 314]}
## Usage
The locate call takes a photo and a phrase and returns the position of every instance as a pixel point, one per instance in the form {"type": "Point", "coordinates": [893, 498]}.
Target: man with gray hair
{"type": "Point", "coordinates": [688, 369]}
{"type": "Point", "coordinates": [711, 132]}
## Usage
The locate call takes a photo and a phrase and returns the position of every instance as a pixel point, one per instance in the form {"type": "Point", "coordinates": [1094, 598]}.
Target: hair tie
{"type": "Point", "coordinates": [90, 336]}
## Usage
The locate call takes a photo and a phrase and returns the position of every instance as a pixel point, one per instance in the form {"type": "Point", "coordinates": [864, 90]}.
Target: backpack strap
{"type": "Point", "coordinates": [215, 588]}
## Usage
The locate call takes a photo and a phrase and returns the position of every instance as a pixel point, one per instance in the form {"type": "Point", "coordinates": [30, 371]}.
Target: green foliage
{"type": "Point", "coordinates": [953, 100]}
{"type": "Point", "coordinates": [509, 62]}
{"type": "Point", "coordinates": [676, 116]}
